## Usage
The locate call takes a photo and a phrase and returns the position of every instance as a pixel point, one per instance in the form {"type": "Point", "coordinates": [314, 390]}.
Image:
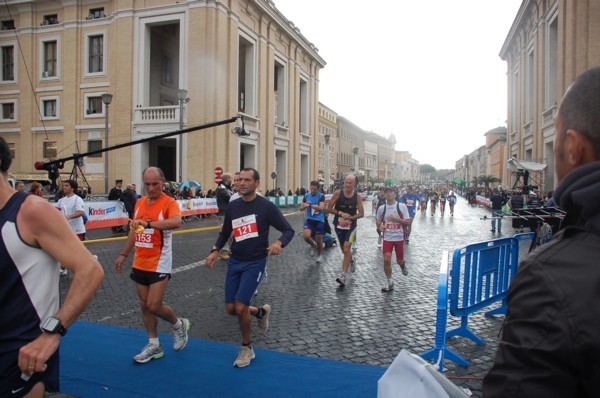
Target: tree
{"type": "Point", "coordinates": [487, 180]}
{"type": "Point", "coordinates": [426, 169]}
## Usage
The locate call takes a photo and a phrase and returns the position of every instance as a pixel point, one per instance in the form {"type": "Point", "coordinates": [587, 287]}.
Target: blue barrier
{"type": "Point", "coordinates": [479, 277]}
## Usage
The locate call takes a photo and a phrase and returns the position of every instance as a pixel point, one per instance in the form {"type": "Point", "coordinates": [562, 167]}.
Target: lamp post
{"type": "Point", "coordinates": [327, 172]}
{"type": "Point", "coordinates": [182, 98]}
{"type": "Point", "coordinates": [106, 99]}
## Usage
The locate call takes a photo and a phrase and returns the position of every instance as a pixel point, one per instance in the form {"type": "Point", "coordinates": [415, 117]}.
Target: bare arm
{"type": "Point", "coordinates": [53, 234]}
{"type": "Point", "coordinates": [332, 202]}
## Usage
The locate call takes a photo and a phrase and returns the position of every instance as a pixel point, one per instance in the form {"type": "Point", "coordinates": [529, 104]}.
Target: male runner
{"type": "Point", "coordinates": [452, 202]}
{"type": "Point", "coordinates": [423, 198]}
{"type": "Point", "coordinates": [443, 199]}
{"type": "Point", "coordinates": [347, 205]}
{"type": "Point", "coordinates": [391, 219]}
{"type": "Point", "coordinates": [156, 214]}
{"type": "Point", "coordinates": [378, 201]}
{"type": "Point", "coordinates": [249, 219]}
{"type": "Point", "coordinates": [314, 205]}
{"type": "Point", "coordinates": [411, 200]}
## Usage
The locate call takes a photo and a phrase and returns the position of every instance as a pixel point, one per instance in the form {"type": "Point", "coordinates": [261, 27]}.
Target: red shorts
{"type": "Point", "coordinates": [388, 247]}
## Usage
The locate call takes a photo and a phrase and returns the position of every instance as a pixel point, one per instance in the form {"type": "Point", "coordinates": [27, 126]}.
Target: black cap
{"type": "Point", "coordinates": [119, 180]}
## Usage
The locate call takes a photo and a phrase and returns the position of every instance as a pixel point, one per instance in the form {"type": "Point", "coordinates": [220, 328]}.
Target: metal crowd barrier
{"type": "Point", "coordinates": [480, 275]}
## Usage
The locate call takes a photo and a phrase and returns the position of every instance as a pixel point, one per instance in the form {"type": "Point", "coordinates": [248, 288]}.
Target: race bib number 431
{"type": "Point", "coordinates": [245, 228]}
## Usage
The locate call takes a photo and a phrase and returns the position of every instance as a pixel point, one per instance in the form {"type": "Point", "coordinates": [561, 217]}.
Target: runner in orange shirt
{"type": "Point", "coordinates": [155, 216]}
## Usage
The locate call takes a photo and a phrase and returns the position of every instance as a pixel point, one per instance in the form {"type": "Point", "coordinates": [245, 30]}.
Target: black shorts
{"type": "Point", "coordinates": [147, 278]}
{"type": "Point", "coordinates": [11, 383]}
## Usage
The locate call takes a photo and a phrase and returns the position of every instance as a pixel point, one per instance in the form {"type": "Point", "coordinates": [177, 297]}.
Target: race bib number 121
{"type": "Point", "coordinates": [245, 228]}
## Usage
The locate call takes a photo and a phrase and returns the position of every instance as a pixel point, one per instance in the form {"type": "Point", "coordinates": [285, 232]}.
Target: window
{"type": "Point", "coordinates": [280, 93]}
{"type": "Point", "coordinates": [96, 13]}
{"type": "Point", "coordinates": [94, 105]}
{"type": "Point", "coordinates": [8, 111]}
{"type": "Point", "coordinates": [246, 75]}
{"type": "Point", "coordinates": [49, 108]}
{"type": "Point", "coordinates": [552, 64]}
{"type": "Point", "coordinates": [51, 19]}
{"type": "Point", "coordinates": [94, 145]}
{"type": "Point", "coordinates": [8, 24]}
{"type": "Point", "coordinates": [166, 66]}
{"type": "Point", "coordinates": [96, 54]}
{"type": "Point", "coordinates": [8, 63]}
{"type": "Point", "coordinates": [50, 58]}
{"type": "Point", "coordinates": [303, 107]}
{"type": "Point", "coordinates": [50, 150]}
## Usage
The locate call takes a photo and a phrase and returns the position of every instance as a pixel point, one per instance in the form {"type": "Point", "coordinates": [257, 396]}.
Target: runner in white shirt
{"type": "Point", "coordinates": [391, 220]}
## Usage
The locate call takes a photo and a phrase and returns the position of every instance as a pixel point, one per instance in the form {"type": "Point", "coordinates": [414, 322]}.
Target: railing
{"type": "Point", "coordinates": [480, 275]}
{"type": "Point", "coordinates": [157, 114]}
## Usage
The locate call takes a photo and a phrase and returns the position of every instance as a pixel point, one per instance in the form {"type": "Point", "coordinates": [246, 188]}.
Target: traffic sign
{"type": "Point", "coordinates": [218, 170]}
{"type": "Point", "coordinates": [218, 180]}
{"type": "Point", "coordinates": [273, 175]}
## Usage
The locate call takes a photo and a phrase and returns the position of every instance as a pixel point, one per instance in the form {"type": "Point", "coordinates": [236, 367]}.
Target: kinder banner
{"type": "Point", "coordinates": [191, 207]}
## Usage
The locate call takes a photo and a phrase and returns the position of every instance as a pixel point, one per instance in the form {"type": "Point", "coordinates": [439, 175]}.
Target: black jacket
{"type": "Point", "coordinates": [223, 193]}
{"type": "Point", "coordinates": [550, 345]}
{"type": "Point", "coordinates": [129, 198]}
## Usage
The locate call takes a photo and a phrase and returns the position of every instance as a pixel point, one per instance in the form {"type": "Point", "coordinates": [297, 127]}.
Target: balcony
{"type": "Point", "coordinates": [156, 115]}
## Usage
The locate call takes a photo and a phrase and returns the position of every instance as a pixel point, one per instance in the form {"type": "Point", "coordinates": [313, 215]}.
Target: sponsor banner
{"type": "Point", "coordinates": [191, 207]}
{"type": "Point", "coordinates": [105, 214]}
{"type": "Point", "coordinates": [482, 200]}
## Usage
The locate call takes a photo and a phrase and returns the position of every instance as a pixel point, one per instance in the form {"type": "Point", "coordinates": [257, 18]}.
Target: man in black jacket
{"type": "Point", "coordinates": [550, 341]}
{"type": "Point", "coordinates": [497, 200]}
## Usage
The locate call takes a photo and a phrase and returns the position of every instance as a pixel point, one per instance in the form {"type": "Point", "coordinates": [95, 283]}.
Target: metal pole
{"type": "Point", "coordinates": [106, 146]}
{"type": "Point", "coordinates": [181, 140]}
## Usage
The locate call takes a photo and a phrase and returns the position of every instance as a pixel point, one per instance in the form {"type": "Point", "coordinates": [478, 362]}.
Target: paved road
{"type": "Point", "coordinates": [311, 315]}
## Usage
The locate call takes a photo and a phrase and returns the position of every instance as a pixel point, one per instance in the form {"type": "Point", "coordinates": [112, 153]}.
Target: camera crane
{"type": "Point", "coordinates": [53, 165]}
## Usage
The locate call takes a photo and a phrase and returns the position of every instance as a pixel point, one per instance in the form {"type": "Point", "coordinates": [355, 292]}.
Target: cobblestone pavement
{"type": "Point", "coordinates": [311, 315]}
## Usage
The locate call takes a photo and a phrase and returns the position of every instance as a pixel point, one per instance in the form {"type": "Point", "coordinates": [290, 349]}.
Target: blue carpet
{"type": "Point", "coordinates": [96, 362]}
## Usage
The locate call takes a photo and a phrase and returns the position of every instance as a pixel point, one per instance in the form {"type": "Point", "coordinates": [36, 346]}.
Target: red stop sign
{"type": "Point", "coordinates": [218, 171]}
{"type": "Point", "coordinates": [218, 180]}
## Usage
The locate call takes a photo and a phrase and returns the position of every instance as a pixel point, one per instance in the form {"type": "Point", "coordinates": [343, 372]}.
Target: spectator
{"type": "Point", "coordinates": [36, 189]}
{"type": "Point", "coordinates": [116, 192]}
{"type": "Point", "coordinates": [20, 186]}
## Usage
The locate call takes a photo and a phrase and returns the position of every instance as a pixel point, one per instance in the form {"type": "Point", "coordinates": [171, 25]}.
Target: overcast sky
{"type": "Point", "coordinates": [426, 71]}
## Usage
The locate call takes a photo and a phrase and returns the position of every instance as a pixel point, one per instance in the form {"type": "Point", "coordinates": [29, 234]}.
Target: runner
{"type": "Point", "coordinates": [423, 198]}
{"type": "Point", "coordinates": [410, 199]}
{"type": "Point", "coordinates": [249, 219]}
{"type": "Point", "coordinates": [391, 219]}
{"type": "Point", "coordinates": [314, 204]}
{"type": "Point", "coordinates": [378, 201]}
{"type": "Point", "coordinates": [451, 202]}
{"type": "Point", "coordinates": [433, 199]}
{"type": "Point", "coordinates": [347, 205]}
{"type": "Point", "coordinates": [443, 199]}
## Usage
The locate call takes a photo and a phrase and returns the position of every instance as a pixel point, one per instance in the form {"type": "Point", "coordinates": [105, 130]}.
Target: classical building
{"type": "Point", "coordinates": [495, 140]}
{"type": "Point", "coordinates": [351, 147]}
{"type": "Point", "coordinates": [328, 146]}
{"type": "Point", "coordinates": [549, 44]}
{"type": "Point", "coordinates": [407, 168]}
{"type": "Point", "coordinates": [167, 65]}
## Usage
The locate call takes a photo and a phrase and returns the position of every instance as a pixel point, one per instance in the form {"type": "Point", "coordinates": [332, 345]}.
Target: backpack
{"type": "Point", "coordinates": [397, 209]}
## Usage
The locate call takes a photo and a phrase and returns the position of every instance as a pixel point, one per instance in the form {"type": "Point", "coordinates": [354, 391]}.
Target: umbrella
{"type": "Point", "coordinates": [190, 184]}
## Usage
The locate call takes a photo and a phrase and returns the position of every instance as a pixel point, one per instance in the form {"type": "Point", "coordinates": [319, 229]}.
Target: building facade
{"type": "Point", "coordinates": [328, 146]}
{"type": "Point", "coordinates": [549, 44]}
{"type": "Point", "coordinates": [167, 65]}
{"type": "Point", "coordinates": [495, 140]}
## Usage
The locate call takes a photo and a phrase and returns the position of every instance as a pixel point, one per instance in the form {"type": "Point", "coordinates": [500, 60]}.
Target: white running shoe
{"type": "Point", "coordinates": [244, 357]}
{"type": "Point", "coordinates": [263, 323]}
{"type": "Point", "coordinates": [341, 279]}
{"type": "Point", "coordinates": [151, 351]}
{"type": "Point", "coordinates": [312, 251]}
{"type": "Point", "coordinates": [319, 259]}
{"type": "Point", "coordinates": [181, 335]}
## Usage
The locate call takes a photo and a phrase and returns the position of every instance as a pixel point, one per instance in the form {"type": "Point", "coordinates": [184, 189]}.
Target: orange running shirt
{"type": "Point", "coordinates": [153, 250]}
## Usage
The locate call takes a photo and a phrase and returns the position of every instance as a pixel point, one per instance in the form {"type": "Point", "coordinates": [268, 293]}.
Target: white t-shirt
{"type": "Point", "coordinates": [394, 231]}
{"type": "Point", "coordinates": [70, 205]}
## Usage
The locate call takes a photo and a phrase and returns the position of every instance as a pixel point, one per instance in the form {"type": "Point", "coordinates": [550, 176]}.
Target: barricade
{"type": "Point", "coordinates": [480, 275]}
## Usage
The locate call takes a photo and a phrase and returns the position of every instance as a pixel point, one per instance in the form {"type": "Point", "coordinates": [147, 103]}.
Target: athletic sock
{"type": "Point", "coordinates": [261, 313]}
{"type": "Point", "coordinates": [154, 341]}
{"type": "Point", "coordinates": [246, 345]}
{"type": "Point", "coordinates": [178, 324]}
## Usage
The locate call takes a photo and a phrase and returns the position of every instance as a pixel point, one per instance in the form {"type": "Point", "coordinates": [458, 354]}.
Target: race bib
{"type": "Point", "coordinates": [344, 224]}
{"type": "Point", "coordinates": [145, 239]}
{"type": "Point", "coordinates": [393, 226]}
{"type": "Point", "coordinates": [245, 228]}
{"type": "Point", "coordinates": [410, 202]}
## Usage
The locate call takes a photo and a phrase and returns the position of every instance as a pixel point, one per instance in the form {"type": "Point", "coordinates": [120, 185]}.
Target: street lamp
{"type": "Point", "coordinates": [106, 99]}
{"type": "Point", "coordinates": [327, 172]}
{"type": "Point", "coordinates": [182, 98]}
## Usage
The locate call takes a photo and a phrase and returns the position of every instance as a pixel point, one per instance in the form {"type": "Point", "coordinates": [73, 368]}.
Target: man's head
{"type": "Point", "coordinates": [236, 181]}
{"type": "Point", "coordinates": [390, 194]}
{"type": "Point", "coordinates": [226, 179]}
{"type": "Point", "coordinates": [69, 187]}
{"type": "Point", "coordinates": [119, 183]}
{"type": "Point", "coordinates": [5, 157]}
{"type": "Point", "coordinates": [577, 124]}
{"type": "Point", "coordinates": [154, 179]}
{"type": "Point", "coordinates": [20, 186]}
{"type": "Point", "coordinates": [249, 181]}
{"type": "Point", "coordinates": [133, 187]}
{"type": "Point", "coordinates": [314, 187]}
{"type": "Point", "coordinates": [349, 182]}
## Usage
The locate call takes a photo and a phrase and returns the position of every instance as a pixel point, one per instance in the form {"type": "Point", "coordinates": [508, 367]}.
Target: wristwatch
{"type": "Point", "coordinates": [53, 325]}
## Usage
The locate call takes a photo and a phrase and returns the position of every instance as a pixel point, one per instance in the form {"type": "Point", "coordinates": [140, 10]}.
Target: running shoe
{"type": "Point", "coordinates": [263, 323]}
{"type": "Point", "coordinates": [312, 251]}
{"type": "Point", "coordinates": [181, 335]}
{"type": "Point", "coordinates": [389, 287]}
{"type": "Point", "coordinates": [354, 247]}
{"type": "Point", "coordinates": [341, 279]}
{"type": "Point", "coordinates": [319, 259]}
{"type": "Point", "coordinates": [404, 269]}
{"type": "Point", "coordinates": [379, 240]}
{"type": "Point", "coordinates": [352, 265]}
{"type": "Point", "coordinates": [151, 351]}
{"type": "Point", "coordinates": [244, 357]}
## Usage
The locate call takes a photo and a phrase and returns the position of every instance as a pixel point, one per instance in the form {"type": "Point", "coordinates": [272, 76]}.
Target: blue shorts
{"type": "Point", "coordinates": [11, 383]}
{"type": "Point", "coordinates": [315, 226]}
{"type": "Point", "coordinates": [411, 211]}
{"type": "Point", "coordinates": [243, 277]}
